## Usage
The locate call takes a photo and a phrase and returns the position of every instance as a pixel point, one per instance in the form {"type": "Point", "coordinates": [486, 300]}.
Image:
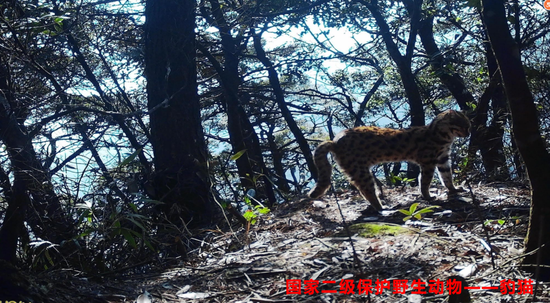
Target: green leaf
{"type": "Point", "coordinates": [407, 218]}
{"type": "Point", "coordinates": [148, 244]}
{"type": "Point", "coordinates": [58, 28]}
{"type": "Point", "coordinates": [138, 216]}
{"type": "Point", "coordinates": [424, 211]}
{"type": "Point", "coordinates": [237, 155]}
{"type": "Point", "coordinates": [427, 210]}
{"type": "Point", "coordinates": [157, 202]}
{"type": "Point", "coordinates": [249, 215]}
{"type": "Point", "coordinates": [128, 236]}
{"type": "Point", "coordinates": [136, 223]}
{"type": "Point", "coordinates": [49, 32]}
{"type": "Point", "coordinates": [133, 207]}
{"type": "Point", "coordinates": [501, 221]}
{"type": "Point", "coordinates": [413, 208]}
{"type": "Point", "coordinates": [84, 234]}
{"type": "Point", "coordinates": [418, 216]}
{"type": "Point", "coordinates": [48, 257]}
{"type": "Point", "coordinates": [395, 179]}
{"type": "Point", "coordinates": [130, 158]}
{"type": "Point", "coordinates": [405, 212]}
{"type": "Point", "coordinates": [264, 210]}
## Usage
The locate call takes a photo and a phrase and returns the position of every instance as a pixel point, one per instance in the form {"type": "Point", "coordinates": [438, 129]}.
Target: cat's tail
{"type": "Point", "coordinates": [324, 169]}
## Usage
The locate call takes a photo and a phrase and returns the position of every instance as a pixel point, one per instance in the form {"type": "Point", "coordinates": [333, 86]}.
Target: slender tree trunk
{"type": "Point", "coordinates": [404, 62]}
{"type": "Point", "coordinates": [518, 164]}
{"type": "Point", "coordinates": [486, 139]}
{"type": "Point", "coordinates": [479, 121]}
{"type": "Point", "coordinates": [277, 158]}
{"type": "Point", "coordinates": [526, 131]}
{"type": "Point", "coordinates": [280, 98]}
{"type": "Point", "coordinates": [12, 227]}
{"type": "Point", "coordinates": [242, 135]}
{"type": "Point", "coordinates": [181, 177]}
{"type": "Point", "coordinates": [47, 218]}
{"type": "Point", "coordinates": [363, 104]}
{"type": "Point", "coordinates": [492, 146]}
{"type": "Point", "coordinates": [251, 165]}
{"type": "Point", "coordinates": [489, 139]}
{"type": "Point", "coordinates": [452, 80]}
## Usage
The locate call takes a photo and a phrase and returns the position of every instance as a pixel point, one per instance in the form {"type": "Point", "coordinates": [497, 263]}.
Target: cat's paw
{"type": "Point", "coordinates": [428, 197]}
{"type": "Point", "coordinates": [456, 190]}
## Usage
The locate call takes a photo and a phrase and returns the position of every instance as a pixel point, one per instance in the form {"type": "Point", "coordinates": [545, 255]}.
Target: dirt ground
{"type": "Point", "coordinates": [302, 252]}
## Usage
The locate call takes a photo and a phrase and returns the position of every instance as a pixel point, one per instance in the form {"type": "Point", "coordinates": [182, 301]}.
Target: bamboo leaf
{"type": "Point", "coordinates": [130, 158]}
{"type": "Point", "coordinates": [236, 156]}
{"type": "Point", "coordinates": [129, 237]}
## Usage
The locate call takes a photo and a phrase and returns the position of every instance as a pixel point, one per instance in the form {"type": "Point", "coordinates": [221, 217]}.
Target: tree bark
{"type": "Point", "coordinates": [488, 140]}
{"type": "Point", "coordinates": [181, 176]}
{"type": "Point", "coordinates": [251, 165]}
{"type": "Point", "coordinates": [280, 99]}
{"type": "Point", "coordinates": [404, 62]}
{"type": "Point", "coordinates": [47, 218]}
{"type": "Point", "coordinates": [492, 146]}
{"type": "Point", "coordinates": [277, 159]}
{"type": "Point", "coordinates": [453, 81]}
{"type": "Point", "coordinates": [363, 104]}
{"type": "Point", "coordinates": [526, 131]}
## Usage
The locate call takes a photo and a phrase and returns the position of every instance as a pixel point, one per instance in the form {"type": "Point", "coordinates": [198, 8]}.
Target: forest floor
{"type": "Point", "coordinates": [303, 243]}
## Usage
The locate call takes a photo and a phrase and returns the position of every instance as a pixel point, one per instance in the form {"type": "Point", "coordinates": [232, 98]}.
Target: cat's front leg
{"type": "Point", "coordinates": [447, 177]}
{"type": "Point", "coordinates": [426, 178]}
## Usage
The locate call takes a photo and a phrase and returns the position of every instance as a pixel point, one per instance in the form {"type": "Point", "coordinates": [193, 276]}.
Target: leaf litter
{"type": "Point", "coordinates": [306, 240]}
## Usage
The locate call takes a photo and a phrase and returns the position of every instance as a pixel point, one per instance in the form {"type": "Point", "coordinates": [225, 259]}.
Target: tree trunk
{"type": "Point", "coordinates": [47, 218]}
{"type": "Point", "coordinates": [181, 177]}
{"type": "Point", "coordinates": [404, 62]}
{"type": "Point", "coordinates": [363, 104]}
{"type": "Point", "coordinates": [492, 147]}
{"type": "Point", "coordinates": [280, 98]}
{"type": "Point", "coordinates": [486, 139]}
{"type": "Point", "coordinates": [479, 121]}
{"type": "Point", "coordinates": [251, 166]}
{"type": "Point", "coordinates": [277, 159]}
{"type": "Point", "coordinates": [526, 131]}
{"type": "Point", "coordinates": [453, 81]}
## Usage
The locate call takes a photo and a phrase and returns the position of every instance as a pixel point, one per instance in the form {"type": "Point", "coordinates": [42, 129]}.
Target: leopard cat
{"type": "Point", "coordinates": [356, 150]}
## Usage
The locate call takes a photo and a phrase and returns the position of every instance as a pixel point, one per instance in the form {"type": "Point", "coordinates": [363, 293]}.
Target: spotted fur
{"type": "Point", "coordinates": [356, 150]}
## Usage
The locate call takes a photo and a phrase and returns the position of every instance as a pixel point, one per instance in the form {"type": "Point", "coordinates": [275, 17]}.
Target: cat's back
{"type": "Point", "coordinates": [377, 144]}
